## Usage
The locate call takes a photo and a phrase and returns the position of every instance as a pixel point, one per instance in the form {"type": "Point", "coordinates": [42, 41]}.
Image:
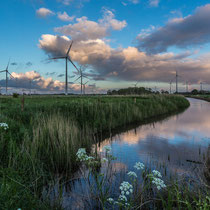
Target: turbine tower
{"type": "Point", "coordinates": [7, 72]}
{"type": "Point", "coordinates": [84, 87]}
{"type": "Point", "coordinates": [170, 87]}
{"type": "Point", "coordinates": [176, 82]}
{"type": "Point", "coordinates": [66, 57]}
{"type": "Point", "coordinates": [201, 87]}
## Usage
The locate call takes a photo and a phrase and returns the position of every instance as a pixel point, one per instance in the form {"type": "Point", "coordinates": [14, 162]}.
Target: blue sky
{"type": "Point", "coordinates": [134, 34]}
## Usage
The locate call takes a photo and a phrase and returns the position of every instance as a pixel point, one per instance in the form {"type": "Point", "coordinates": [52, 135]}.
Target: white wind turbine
{"type": "Point", "coordinates": [7, 72]}
{"type": "Point", "coordinates": [66, 57]}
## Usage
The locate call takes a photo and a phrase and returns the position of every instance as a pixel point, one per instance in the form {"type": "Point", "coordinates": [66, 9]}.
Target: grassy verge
{"type": "Point", "coordinates": [201, 97]}
{"type": "Point", "coordinates": [43, 138]}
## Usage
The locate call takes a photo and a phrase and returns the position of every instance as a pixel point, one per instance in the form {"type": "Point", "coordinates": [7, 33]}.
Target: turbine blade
{"type": "Point", "coordinates": [74, 65]}
{"type": "Point", "coordinates": [10, 75]}
{"type": "Point", "coordinates": [8, 64]}
{"type": "Point", "coordinates": [55, 58]}
{"type": "Point", "coordinates": [69, 48]}
{"type": "Point", "coordinates": [2, 71]}
{"type": "Point", "coordinates": [77, 79]}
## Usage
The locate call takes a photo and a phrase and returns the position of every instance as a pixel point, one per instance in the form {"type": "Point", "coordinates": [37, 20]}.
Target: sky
{"type": "Point", "coordinates": [116, 42]}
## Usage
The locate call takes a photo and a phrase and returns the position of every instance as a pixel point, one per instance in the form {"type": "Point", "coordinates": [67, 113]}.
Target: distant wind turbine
{"type": "Point", "coordinates": [66, 57]}
{"type": "Point", "coordinates": [7, 72]}
{"type": "Point", "coordinates": [81, 73]}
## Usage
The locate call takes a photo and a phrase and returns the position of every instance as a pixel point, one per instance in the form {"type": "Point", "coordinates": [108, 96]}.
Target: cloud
{"type": "Point", "coordinates": [61, 75]}
{"type": "Point", "coordinates": [14, 64]}
{"type": "Point", "coordinates": [134, 1]}
{"type": "Point", "coordinates": [34, 81]}
{"type": "Point", "coordinates": [193, 30]}
{"type": "Point", "coordinates": [29, 64]}
{"type": "Point", "coordinates": [50, 73]}
{"type": "Point", "coordinates": [44, 12]}
{"type": "Point", "coordinates": [154, 3]}
{"type": "Point", "coordinates": [65, 17]}
{"type": "Point", "coordinates": [85, 29]}
{"type": "Point", "coordinates": [109, 20]}
{"type": "Point", "coordinates": [129, 64]}
{"type": "Point", "coordinates": [38, 82]}
{"type": "Point", "coordinates": [78, 3]}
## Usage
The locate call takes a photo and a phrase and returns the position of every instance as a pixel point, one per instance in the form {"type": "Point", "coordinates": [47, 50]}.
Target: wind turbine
{"type": "Point", "coordinates": [66, 57]}
{"type": "Point", "coordinates": [7, 72]}
{"type": "Point", "coordinates": [81, 73]}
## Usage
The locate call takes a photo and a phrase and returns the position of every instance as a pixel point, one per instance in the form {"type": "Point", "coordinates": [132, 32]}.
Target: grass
{"type": "Point", "coordinates": [202, 97]}
{"type": "Point", "coordinates": [42, 140]}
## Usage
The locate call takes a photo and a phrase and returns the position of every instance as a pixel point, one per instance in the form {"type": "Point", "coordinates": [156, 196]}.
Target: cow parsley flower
{"type": "Point", "coordinates": [157, 173]}
{"type": "Point", "coordinates": [110, 200]}
{"type": "Point", "coordinates": [4, 126]}
{"type": "Point", "coordinates": [159, 183]}
{"type": "Point", "coordinates": [126, 188]}
{"type": "Point", "coordinates": [139, 166]}
{"type": "Point", "coordinates": [131, 173]}
{"type": "Point", "coordinates": [107, 149]}
{"type": "Point", "coordinates": [104, 160]}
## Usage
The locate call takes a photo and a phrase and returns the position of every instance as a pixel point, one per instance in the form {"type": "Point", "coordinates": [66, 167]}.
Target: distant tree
{"type": "Point", "coordinates": [194, 92]}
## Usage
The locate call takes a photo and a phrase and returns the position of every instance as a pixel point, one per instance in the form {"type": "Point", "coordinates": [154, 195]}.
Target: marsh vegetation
{"type": "Point", "coordinates": [40, 145]}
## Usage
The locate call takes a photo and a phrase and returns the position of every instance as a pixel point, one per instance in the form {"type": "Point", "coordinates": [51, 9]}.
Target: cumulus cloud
{"type": "Point", "coordinates": [110, 21]}
{"type": "Point", "coordinates": [34, 81]}
{"type": "Point", "coordinates": [65, 17]}
{"type": "Point", "coordinates": [85, 29]}
{"type": "Point", "coordinates": [129, 63]}
{"type": "Point", "coordinates": [192, 30]}
{"type": "Point", "coordinates": [154, 3]}
{"type": "Point", "coordinates": [44, 12]}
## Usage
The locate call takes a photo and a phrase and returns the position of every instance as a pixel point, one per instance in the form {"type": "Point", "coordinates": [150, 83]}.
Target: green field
{"type": "Point", "coordinates": [44, 136]}
{"type": "Point", "coordinates": [202, 97]}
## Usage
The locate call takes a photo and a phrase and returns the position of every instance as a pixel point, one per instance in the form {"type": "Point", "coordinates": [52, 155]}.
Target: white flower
{"type": "Point", "coordinates": [131, 173]}
{"type": "Point", "coordinates": [107, 149]}
{"type": "Point", "coordinates": [139, 166]}
{"type": "Point", "coordinates": [126, 188]}
{"type": "Point", "coordinates": [110, 200]}
{"type": "Point", "coordinates": [159, 183]}
{"type": "Point", "coordinates": [157, 173]}
{"type": "Point", "coordinates": [104, 160]}
{"type": "Point", "coordinates": [123, 198]}
{"type": "Point", "coordinates": [82, 155]}
{"type": "Point", "coordinates": [4, 126]}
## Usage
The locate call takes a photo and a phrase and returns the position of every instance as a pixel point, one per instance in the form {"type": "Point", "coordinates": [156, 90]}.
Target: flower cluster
{"type": "Point", "coordinates": [159, 183]}
{"type": "Point", "coordinates": [132, 173]}
{"type": "Point", "coordinates": [107, 149]}
{"type": "Point", "coordinates": [126, 188]}
{"type": "Point", "coordinates": [157, 173]}
{"type": "Point", "coordinates": [139, 166]}
{"type": "Point", "coordinates": [82, 155]}
{"type": "Point", "coordinates": [104, 160]}
{"type": "Point", "coordinates": [4, 126]}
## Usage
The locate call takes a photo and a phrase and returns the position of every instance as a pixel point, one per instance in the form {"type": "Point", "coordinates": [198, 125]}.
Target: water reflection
{"type": "Point", "coordinates": [173, 146]}
{"type": "Point", "coordinates": [178, 143]}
